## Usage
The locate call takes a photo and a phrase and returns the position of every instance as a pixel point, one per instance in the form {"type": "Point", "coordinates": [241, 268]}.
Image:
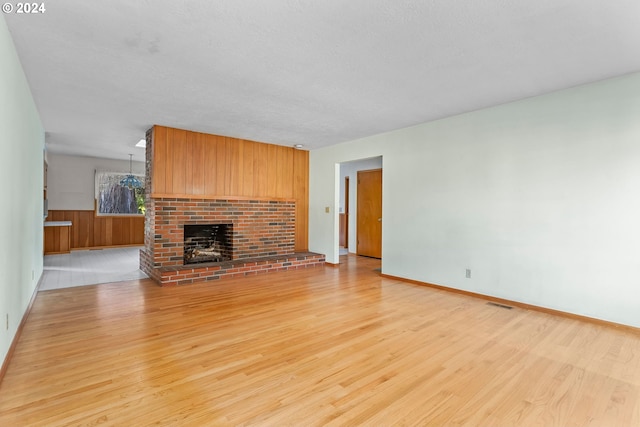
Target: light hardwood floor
{"type": "Point", "coordinates": [324, 346]}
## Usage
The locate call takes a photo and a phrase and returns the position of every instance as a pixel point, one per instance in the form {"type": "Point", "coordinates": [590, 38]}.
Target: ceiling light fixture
{"type": "Point", "coordinates": [298, 146]}
{"type": "Point", "coordinates": [130, 180]}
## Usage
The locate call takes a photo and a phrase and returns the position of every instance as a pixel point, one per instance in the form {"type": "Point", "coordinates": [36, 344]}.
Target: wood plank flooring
{"type": "Point", "coordinates": [325, 346]}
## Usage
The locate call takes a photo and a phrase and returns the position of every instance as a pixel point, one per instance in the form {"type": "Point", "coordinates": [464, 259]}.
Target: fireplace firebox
{"type": "Point", "coordinates": [207, 243]}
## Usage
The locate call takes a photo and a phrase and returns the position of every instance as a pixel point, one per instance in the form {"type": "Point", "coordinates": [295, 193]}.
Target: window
{"type": "Point", "coordinates": [112, 198]}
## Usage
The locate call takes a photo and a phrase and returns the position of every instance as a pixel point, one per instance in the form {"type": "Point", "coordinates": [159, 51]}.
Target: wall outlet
{"type": "Point", "coordinates": [468, 273]}
{"type": "Point", "coordinates": [327, 209]}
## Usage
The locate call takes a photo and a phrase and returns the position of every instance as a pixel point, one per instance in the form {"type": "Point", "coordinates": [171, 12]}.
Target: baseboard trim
{"type": "Point", "coordinates": [519, 304]}
{"type": "Point", "coordinates": [332, 265]}
{"type": "Point", "coordinates": [16, 338]}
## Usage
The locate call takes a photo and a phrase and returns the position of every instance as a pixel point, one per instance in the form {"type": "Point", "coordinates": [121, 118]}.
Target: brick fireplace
{"type": "Point", "coordinates": [262, 239]}
{"type": "Point", "coordinates": [241, 235]}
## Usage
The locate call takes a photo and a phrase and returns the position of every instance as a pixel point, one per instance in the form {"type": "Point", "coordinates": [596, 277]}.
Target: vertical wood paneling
{"type": "Point", "coordinates": [169, 153]}
{"type": "Point", "coordinates": [272, 170]}
{"type": "Point", "coordinates": [190, 163]}
{"type": "Point", "coordinates": [116, 230]}
{"type": "Point", "coordinates": [123, 230]}
{"type": "Point", "coordinates": [178, 144]}
{"type": "Point", "coordinates": [197, 162]}
{"type": "Point", "coordinates": [91, 231]}
{"type": "Point", "coordinates": [248, 158]}
{"type": "Point", "coordinates": [126, 230]}
{"type": "Point", "coordinates": [50, 240]}
{"type": "Point", "coordinates": [108, 231]}
{"type": "Point", "coordinates": [280, 167]}
{"type": "Point", "coordinates": [284, 177]}
{"type": "Point", "coordinates": [137, 237]}
{"type": "Point", "coordinates": [210, 164]}
{"type": "Point", "coordinates": [64, 235]}
{"type": "Point", "coordinates": [98, 232]}
{"type": "Point", "coordinates": [189, 159]}
{"type": "Point", "coordinates": [260, 168]}
{"type": "Point", "coordinates": [301, 195]}
{"type": "Point", "coordinates": [57, 240]}
{"type": "Point", "coordinates": [159, 158]}
{"type": "Point", "coordinates": [221, 164]}
{"type": "Point", "coordinates": [86, 224]}
{"type": "Point", "coordinates": [234, 166]}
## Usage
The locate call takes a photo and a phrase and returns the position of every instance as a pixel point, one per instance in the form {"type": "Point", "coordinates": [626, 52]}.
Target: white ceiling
{"type": "Point", "coordinates": [310, 72]}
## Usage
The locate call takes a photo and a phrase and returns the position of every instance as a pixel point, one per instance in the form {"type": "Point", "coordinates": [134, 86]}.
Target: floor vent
{"type": "Point", "coordinates": [495, 304]}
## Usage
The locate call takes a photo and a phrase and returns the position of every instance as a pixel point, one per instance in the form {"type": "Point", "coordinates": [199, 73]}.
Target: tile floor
{"type": "Point", "coordinates": [90, 267]}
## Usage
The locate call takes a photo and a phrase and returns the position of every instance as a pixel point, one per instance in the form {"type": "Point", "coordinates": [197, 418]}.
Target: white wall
{"type": "Point", "coordinates": [70, 181]}
{"type": "Point", "coordinates": [350, 169]}
{"type": "Point", "coordinates": [21, 174]}
{"type": "Point", "coordinates": [539, 198]}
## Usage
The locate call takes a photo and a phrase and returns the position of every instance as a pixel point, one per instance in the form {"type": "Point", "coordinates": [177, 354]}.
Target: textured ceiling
{"type": "Point", "coordinates": [303, 72]}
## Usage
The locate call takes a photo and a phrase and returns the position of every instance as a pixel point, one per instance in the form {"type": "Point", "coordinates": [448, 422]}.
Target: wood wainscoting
{"type": "Point", "coordinates": [91, 231]}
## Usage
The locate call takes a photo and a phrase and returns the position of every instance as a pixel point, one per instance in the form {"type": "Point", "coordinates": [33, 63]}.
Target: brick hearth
{"type": "Point", "coordinates": [171, 276]}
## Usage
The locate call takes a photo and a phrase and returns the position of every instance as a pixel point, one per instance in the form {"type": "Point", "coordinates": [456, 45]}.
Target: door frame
{"type": "Point", "coordinates": [363, 163]}
{"type": "Point", "coordinates": [346, 212]}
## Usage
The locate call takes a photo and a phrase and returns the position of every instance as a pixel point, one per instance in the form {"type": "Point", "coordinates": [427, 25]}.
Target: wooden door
{"type": "Point", "coordinates": [369, 216]}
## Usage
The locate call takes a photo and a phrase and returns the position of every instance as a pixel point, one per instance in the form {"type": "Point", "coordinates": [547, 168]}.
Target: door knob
{"type": "Point", "coordinates": [379, 219]}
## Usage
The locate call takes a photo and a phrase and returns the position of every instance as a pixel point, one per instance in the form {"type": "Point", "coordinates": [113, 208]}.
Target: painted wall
{"type": "Point", "coordinates": [21, 171]}
{"type": "Point", "coordinates": [351, 169]}
{"type": "Point", "coordinates": [70, 181]}
{"type": "Point", "coordinates": [539, 198]}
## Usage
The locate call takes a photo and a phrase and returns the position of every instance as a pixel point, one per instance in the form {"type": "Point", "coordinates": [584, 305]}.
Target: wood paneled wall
{"type": "Point", "coordinates": [198, 165]}
{"type": "Point", "coordinates": [57, 240]}
{"type": "Point", "coordinates": [91, 231]}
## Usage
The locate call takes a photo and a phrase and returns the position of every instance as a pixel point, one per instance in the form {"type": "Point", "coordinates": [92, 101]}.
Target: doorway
{"type": "Point", "coordinates": [344, 217]}
{"type": "Point", "coordinates": [369, 217]}
{"type": "Point", "coordinates": [347, 203]}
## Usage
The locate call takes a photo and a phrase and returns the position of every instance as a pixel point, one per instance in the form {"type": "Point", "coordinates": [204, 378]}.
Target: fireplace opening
{"type": "Point", "coordinates": [207, 243]}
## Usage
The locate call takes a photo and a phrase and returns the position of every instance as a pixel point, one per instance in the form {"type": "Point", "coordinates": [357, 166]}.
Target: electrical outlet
{"type": "Point", "coordinates": [468, 273]}
{"type": "Point", "coordinates": [327, 209]}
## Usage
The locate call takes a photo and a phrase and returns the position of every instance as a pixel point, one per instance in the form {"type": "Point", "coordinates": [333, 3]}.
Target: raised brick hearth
{"type": "Point", "coordinates": [262, 238]}
{"type": "Point", "coordinates": [193, 273]}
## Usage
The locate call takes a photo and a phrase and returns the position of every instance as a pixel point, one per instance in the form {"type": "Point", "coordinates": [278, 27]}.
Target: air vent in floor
{"type": "Point", "coordinates": [495, 304]}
